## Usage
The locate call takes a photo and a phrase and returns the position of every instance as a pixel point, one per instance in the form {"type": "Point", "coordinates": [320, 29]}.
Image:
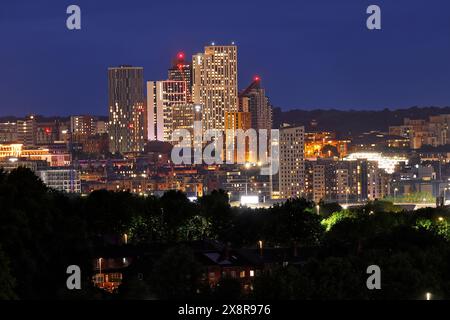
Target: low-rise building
{"type": "Point", "coordinates": [61, 179]}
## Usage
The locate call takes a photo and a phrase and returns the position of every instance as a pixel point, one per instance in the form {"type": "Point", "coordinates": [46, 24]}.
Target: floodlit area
{"type": "Point", "coordinates": [387, 163]}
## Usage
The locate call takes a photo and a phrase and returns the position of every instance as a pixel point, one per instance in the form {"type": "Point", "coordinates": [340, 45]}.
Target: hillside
{"type": "Point", "coordinates": [353, 122]}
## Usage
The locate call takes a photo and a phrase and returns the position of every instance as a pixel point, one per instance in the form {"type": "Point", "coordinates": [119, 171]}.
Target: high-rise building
{"type": "Point", "coordinates": [239, 121]}
{"type": "Point", "coordinates": [342, 185]}
{"type": "Point", "coordinates": [127, 131]}
{"type": "Point", "coordinates": [331, 180]}
{"type": "Point", "coordinates": [292, 162]}
{"type": "Point", "coordinates": [168, 109]}
{"type": "Point", "coordinates": [254, 100]}
{"type": "Point", "coordinates": [321, 180]}
{"type": "Point", "coordinates": [215, 85]}
{"type": "Point", "coordinates": [319, 187]}
{"type": "Point", "coordinates": [181, 70]}
{"type": "Point", "coordinates": [26, 131]}
{"type": "Point", "coordinates": [8, 132]}
{"type": "Point", "coordinates": [377, 182]}
{"type": "Point", "coordinates": [83, 125]}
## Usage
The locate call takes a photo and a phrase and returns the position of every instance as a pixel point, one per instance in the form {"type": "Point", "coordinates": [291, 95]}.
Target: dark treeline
{"type": "Point", "coordinates": [42, 232]}
{"type": "Point", "coordinates": [354, 122]}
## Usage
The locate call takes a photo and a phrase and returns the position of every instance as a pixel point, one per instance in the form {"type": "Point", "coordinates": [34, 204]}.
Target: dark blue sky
{"type": "Point", "coordinates": [310, 53]}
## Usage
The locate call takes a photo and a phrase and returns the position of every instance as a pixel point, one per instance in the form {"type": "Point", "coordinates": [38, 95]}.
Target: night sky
{"type": "Point", "coordinates": [310, 54]}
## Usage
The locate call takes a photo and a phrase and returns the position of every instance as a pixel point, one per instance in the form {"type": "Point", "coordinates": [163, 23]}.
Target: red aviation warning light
{"type": "Point", "coordinates": [179, 62]}
{"type": "Point", "coordinates": [257, 78]}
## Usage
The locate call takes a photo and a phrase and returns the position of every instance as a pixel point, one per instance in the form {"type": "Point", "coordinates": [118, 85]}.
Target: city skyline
{"type": "Point", "coordinates": [240, 151]}
{"type": "Point", "coordinates": [307, 57]}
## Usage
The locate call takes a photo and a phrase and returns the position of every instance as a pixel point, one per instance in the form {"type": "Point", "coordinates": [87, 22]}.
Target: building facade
{"type": "Point", "coordinates": [292, 162]}
{"type": "Point", "coordinates": [181, 70]}
{"type": "Point", "coordinates": [26, 131]}
{"type": "Point", "coordinates": [64, 180]}
{"type": "Point", "coordinates": [168, 109]}
{"type": "Point", "coordinates": [8, 132]}
{"type": "Point", "coordinates": [215, 85]}
{"type": "Point", "coordinates": [127, 130]}
{"type": "Point", "coordinates": [254, 100]}
{"type": "Point", "coordinates": [83, 125]}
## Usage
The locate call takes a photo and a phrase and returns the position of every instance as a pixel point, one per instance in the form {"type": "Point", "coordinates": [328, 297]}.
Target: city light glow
{"type": "Point", "coordinates": [249, 200]}
{"type": "Point", "coordinates": [387, 163]}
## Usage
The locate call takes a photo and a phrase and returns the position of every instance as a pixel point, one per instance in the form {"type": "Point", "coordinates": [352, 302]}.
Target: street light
{"type": "Point", "coordinates": [395, 195]}
{"type": "Point", "coordinates": [318, 209]}
{"type": "Point", "coordinates": [428, 296]}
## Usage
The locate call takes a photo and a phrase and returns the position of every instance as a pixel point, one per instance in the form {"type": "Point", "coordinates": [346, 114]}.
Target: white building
{"type": "Point", "coordinates": [64, 180]}
{"type": "Point", "coordinates": [168, 109]}
{"type": "Point", "coordinates": [292, 162]}
{"type": "Point", "coordinates": [215, 85]}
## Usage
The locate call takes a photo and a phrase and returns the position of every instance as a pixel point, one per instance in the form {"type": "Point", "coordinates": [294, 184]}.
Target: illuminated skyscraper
{"type": "Point", "coordinates": [292, 162]}
{"type": "Point", "coordinates": [215, 84]}
{"type": "Point", "coordinates": [181, 70]}
{"type": "Point", "coordinates": [239, 121]}
{"type": "Point", "coordinates": [127, 131]}
{"type": "Point", "coordinates": [254, 100]}
{"type": "Point", "coordinates": [168, 109]}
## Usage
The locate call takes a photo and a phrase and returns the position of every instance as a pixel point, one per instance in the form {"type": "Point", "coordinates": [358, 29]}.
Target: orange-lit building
{"type": "Point", "coordinates": [239, 121]}
{"type": "Point", "coordinates": [324, 145]}
{"type": "Point", "coordinates": [17, 151]}
{"type": "Point", "coordinates": [10, 150]}
{"type": "Point", "coordinates": [108, 273]}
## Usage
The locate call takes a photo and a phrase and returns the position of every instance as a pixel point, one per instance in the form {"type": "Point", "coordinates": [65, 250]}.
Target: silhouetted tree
{"type": "Point", "coordinates": [228, 289]}
{"type": "Point", "coordinates": [176, 275]}
{"type": "Point", "coordinates": [7, 282]}
{"type": "Point", "coordinates": [216, 208]}
{"type": "Point", "coordinates": [295, 221]}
